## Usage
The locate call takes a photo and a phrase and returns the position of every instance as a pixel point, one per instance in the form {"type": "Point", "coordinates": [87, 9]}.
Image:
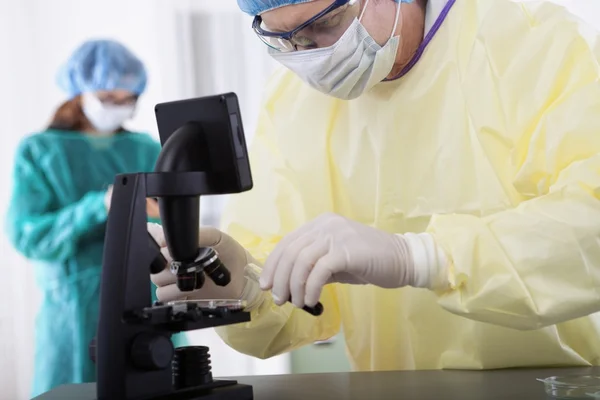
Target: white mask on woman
{"type": "Point", "coordinates": [106, 119]}
{"type": "Point", "coordinates": [349, 68]}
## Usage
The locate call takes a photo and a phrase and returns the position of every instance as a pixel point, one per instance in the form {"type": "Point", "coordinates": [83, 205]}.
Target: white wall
{"type": "Point", "coordinates": [36, 36]}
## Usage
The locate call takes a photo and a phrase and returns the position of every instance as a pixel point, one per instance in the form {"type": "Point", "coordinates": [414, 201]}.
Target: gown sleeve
{"type": "Point", "coordinates": [258, 219]}
{"type": "Point", "coordinates": [36, 230]}
{"type": "Point", "coordinates": [536, 264]}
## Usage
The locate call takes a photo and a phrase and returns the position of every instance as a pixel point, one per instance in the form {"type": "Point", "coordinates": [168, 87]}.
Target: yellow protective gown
{"type": "Point", "coordinates": [492, 144]}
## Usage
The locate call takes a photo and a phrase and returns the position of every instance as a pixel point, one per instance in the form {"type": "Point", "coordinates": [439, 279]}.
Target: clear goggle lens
{"type": "Point", "coordinates": [324, 32]}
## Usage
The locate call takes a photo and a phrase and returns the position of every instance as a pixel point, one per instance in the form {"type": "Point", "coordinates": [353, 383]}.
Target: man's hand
{"type": "Point", "coordinates": [335, 249]}
{"type": "Point", "coordinates": [231, 254]}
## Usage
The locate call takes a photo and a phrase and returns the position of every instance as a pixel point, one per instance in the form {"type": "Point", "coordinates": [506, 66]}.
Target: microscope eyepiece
{"type": "Point", "coordinates": [191, 276]}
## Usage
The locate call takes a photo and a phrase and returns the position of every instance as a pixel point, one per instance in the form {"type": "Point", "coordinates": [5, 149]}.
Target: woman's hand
{"type": "Point", "coordinates": [152, 208]}
{"type": "Point", "coordinates": [108, 197]}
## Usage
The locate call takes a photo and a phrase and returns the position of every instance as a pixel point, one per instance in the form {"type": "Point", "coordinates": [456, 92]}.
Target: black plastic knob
{"type": "Point", "coordinates": [152, 352]}
{"type": "Point", "coordinates": [191, 367]}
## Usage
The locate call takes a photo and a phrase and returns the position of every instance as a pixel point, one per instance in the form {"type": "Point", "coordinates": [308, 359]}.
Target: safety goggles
{"type": "Point", "coordinates": [322, 30]}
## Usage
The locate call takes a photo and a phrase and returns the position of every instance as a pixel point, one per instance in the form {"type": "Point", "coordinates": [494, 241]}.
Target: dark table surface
{"type": "Point", "coordinates": [418, 385]}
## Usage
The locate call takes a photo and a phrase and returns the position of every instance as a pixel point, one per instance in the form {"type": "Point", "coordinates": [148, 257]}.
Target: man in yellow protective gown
{"type": "Point", "coordinates": [429, 171]}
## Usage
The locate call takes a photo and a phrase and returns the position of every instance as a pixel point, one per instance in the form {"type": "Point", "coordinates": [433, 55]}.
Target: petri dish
{"type": "Point", "coordinates": [571, 387]}
{"type": "Point", "coordinates": [212, 304]}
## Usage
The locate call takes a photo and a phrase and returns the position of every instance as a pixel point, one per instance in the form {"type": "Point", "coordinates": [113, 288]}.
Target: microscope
{"type": "Point", "coordinates": [203, 153]}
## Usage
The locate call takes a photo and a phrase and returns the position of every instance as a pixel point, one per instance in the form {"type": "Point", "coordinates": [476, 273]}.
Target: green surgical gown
{"type": "Point", "coordinates": [57, 219]}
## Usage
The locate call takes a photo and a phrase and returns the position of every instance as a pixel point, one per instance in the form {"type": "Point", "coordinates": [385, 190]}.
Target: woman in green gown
{"type": "Point", "coordinates": [61, 197]}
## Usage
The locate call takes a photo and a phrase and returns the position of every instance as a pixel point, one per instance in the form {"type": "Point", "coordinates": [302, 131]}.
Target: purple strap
{"type": "Point", "coordinates": [426, 41]}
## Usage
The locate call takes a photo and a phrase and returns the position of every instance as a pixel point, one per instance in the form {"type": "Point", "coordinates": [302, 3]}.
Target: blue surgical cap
{"type": "Point", "coordinates": [102, 65]}
{"type": "Point", "coordinates": [257, 7]}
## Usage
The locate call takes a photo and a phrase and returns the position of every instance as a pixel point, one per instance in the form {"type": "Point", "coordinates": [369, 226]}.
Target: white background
{"type": "Point", "coordinates": [191, 48]}
{"type": "Point", "coordinates": [36, 36]}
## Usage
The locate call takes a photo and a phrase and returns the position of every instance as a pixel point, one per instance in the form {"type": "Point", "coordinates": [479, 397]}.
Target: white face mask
{"type": "Point", "coordinates": [106, 119]}
{"type": "Point", "coordinates": [349, 68]}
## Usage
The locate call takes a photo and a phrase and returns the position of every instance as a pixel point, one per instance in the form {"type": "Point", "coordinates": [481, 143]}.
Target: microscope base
{"type": "Point", "coordinates": [87, 391]}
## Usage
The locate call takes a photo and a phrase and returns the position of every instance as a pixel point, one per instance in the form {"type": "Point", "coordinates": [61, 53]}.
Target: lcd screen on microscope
{"type": "Point", "coordinates": [221, 125]}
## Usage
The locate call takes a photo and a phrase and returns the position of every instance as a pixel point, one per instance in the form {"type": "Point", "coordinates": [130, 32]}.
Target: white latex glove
{"type": "Point", "coordinates": [241, 265]}
{"type": "Point", "coordinates": [332, 248]}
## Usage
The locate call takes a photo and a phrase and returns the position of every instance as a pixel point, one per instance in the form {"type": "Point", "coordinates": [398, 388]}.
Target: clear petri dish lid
{"type": "Point", "coordinates": [571, 387]}
{"type": "Point", "coordinates": [231, 304]}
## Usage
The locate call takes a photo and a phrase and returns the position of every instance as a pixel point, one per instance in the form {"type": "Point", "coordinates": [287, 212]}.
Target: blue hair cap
{"type": "Point", "coordinates": [257, 7]}
{"type": "Point", "coordinates": [102, 65]}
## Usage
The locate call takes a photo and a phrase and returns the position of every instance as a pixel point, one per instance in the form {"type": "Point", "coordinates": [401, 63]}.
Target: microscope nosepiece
{"type": "Point", "coordinates": [191, 276]}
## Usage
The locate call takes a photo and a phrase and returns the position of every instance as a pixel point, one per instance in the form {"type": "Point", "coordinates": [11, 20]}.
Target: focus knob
{"type": "Point", "coordinates": [152, 352]}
